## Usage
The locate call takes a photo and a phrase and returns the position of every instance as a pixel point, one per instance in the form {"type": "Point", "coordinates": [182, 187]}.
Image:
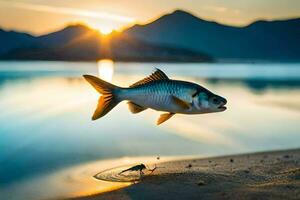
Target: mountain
{"type": "Point", "coordinates": [65, 36]}
{"type": "Point", "coordinates": [177, 37]}
{"type": "Point", "coordinates": [10, 40]}
{"type": "Point", "coordinates": [261, 40]}
{"type": "Point", "coordinates": [79, 42]}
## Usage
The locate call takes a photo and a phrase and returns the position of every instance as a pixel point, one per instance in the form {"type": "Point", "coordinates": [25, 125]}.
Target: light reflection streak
{"type": "Point", "coordinates": [47, 102]}
{"type": "Point", "coordinates": [201, 132]}
{"type": "Point", "coordinates": [72, 11]}
{"type": "Point", "coordinates": [106, 69]}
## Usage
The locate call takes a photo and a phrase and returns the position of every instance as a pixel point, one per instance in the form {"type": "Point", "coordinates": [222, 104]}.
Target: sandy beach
{"type": "Point", "coordinates": [268, 175]}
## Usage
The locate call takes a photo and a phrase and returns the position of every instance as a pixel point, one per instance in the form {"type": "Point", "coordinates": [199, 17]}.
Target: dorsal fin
{"type": "Point", "coordinates": [155, 76]}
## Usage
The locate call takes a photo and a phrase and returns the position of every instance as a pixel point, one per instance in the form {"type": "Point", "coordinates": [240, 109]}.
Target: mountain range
{"type": "Point", "coordinates": [178, 36]}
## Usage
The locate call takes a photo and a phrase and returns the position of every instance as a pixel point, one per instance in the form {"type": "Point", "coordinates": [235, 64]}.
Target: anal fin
{"type": "Point", "coordinates": [135, 108]}
{"type": "Point", "coordinates": [164, 117]}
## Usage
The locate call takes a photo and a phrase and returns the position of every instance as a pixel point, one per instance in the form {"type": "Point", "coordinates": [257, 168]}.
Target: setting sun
{"type": "Point", "coordinates": [105, 30]}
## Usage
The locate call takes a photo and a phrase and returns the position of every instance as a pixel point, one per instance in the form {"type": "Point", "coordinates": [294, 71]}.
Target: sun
{"type": "Point", "coordinates": [105, 30]}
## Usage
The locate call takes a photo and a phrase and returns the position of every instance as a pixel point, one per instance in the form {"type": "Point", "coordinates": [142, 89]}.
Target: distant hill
{"type": "Point", "coordinates": [65, 36]}
{"type": "Point", "coordinates": [10, 40]}
{"type": "Point", "coordinates": [261, 40]}
{"type": "Point", "coordinates": [178, 37]}
{"type": "Point", "coordinates": [79, 42]}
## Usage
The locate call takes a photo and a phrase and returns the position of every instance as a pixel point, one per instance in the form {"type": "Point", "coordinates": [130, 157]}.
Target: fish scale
{"type": "Point", "coordinates": [156, 95]}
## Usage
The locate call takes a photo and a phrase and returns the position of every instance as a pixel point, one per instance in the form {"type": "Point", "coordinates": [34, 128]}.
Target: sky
{"type": "Point", "coordinates": [42, 16]}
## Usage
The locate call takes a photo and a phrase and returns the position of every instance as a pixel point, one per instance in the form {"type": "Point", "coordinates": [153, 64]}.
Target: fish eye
{"type": "Point", "coordinates": [215, 100]}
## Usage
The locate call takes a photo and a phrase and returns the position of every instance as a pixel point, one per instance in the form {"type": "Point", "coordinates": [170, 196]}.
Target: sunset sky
{"type": "Point", "coordinates": [42, 16]}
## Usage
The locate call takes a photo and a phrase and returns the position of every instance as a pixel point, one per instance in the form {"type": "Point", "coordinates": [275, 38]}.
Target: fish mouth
{"type": "Point", "coordinates": [222, 108]}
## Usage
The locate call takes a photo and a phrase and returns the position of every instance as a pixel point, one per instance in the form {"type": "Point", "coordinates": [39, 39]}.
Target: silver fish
{"type": "Point", "coordinates": [157, 92]}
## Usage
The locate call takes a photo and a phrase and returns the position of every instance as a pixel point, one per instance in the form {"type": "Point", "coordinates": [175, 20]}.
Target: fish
{"type": "Point", "coordinates": [157, 92]}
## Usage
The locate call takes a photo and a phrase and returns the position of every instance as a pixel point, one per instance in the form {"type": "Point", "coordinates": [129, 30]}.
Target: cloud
{"type": "Point", "coordinates": [71, 11]}
{"type": "Point", "coordinates": [221, 9]}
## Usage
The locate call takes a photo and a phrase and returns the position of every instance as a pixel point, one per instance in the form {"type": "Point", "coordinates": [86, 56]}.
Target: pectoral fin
{"type": "Point", "coordinates": [135, 108]}
{"type": "Point", "coordinates": [164, 117]}
{"type": "Point", "coordinates": [183, 104]}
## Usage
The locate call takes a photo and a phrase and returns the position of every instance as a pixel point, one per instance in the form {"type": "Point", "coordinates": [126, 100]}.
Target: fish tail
{"type": "Point", "coordinates": [108, 100]}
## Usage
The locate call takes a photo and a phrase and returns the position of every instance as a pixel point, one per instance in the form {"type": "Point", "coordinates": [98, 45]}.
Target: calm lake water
{"type": "Point", "coordinates": [46, 109]}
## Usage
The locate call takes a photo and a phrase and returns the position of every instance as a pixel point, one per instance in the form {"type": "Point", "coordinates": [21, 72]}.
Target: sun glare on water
{"type": "Point", "coordinates": [106, 69]}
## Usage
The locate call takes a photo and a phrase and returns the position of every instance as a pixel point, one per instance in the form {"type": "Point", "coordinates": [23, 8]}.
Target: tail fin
{"type": "Point", "coordinates": [108, 100]}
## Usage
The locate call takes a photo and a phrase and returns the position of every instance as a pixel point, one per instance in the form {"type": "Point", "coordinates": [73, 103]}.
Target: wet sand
{"type": "Point", "coordinates": [269, 175]}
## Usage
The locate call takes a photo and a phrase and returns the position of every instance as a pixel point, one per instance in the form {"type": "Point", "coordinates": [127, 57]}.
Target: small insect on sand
{"type": "Point", "coordinates": [157, 92]}
{"type": "Point", "coordinates": [139, 168]}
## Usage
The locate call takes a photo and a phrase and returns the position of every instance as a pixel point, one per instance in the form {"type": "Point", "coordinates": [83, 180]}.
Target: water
{"type": "Point", "coordinates": [46, 109]}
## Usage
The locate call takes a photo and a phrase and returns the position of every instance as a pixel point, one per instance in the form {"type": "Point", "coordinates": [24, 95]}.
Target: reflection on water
{"type": "Point", "coordinates": [46, 125]}
{"type": "Point", "coordinates": [106, 69]}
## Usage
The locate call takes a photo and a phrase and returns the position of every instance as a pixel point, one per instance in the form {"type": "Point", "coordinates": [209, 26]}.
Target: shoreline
{"type": "Point", "coordinates": [265, 175]}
